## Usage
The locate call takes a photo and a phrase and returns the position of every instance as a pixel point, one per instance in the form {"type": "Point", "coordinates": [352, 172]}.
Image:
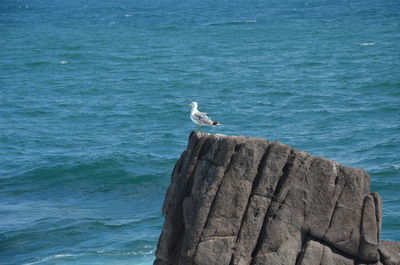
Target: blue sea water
{"type": "Point", "coordinates": [93, 111]}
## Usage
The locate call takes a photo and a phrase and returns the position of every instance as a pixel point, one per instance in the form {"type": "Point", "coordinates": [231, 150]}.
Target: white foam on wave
{"type": "Point", "coordinates": [127, 253]}
{"type": "Point", "coordinates": [63, 62]}
{"type": "Point", "coordinates": [52, 257]}
{"type": "Point", "coordinates": [367, 43]}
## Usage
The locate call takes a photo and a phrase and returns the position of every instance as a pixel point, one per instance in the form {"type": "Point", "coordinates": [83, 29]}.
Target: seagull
{"type": "Point", "coordinates": [200, 118]}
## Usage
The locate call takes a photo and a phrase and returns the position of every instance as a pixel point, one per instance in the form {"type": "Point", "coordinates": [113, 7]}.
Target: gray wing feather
{"type": "Point", "coordinates": [202, 118]}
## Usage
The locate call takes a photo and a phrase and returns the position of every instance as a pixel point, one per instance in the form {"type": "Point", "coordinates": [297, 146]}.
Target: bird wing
{"type": "Point", "coordinates": [202, 118]}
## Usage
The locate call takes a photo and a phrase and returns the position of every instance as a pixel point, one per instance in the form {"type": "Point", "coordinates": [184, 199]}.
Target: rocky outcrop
{"type": "Point", "coordinates": [246, 201]}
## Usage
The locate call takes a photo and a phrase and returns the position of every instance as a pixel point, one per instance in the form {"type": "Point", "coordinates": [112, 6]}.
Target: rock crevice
{"type": "Point", "coordinates": [247, 201]}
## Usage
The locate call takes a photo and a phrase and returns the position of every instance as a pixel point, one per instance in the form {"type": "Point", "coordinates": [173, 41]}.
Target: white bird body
{"type": "Point", "coordinates": [200, 118]}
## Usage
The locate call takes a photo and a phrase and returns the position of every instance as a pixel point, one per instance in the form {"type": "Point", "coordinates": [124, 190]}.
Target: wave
{"type": "Point", "coordinates": [74, 229]}
{"type": "Point", "coordinates": [52, 258]}
{"type": "Point", "coordinates": [125, 253]}
{"type": "Point", "coordinates": [39, 63]}
{"type": "Point", "coordinates": [116, 254]}
{"type": "Point", "coordinates": [67, 226]}
{"type": "Point", "coordinates": [147, 251]}
{"type": "Point", "coordinates": [45, 63]}
{"type": "Point", "coordinates": [99, 174]}
{"type": "Point", "coordinates": [244, 22]}
{"type": "Point", "coordinates": [395, 201]}
{"type": "Point", "coordinates": [367, 43]}
{"type": "Point", "coordinates": [109, 246]}
{"type": "Point", "coordinates": [166, 28]}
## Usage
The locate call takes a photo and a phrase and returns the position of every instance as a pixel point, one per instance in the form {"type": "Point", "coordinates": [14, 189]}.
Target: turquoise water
{"type": "Point", "coordinates": [93, 108]}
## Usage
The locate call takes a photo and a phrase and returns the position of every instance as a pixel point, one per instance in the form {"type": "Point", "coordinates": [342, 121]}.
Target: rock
{"type": "Point", "coordinates": [369, 231]}
{"type": "Point", "coordinates": [317, 253]}
{"type": "Point", "coordinates": [390, 252]}
{"type": "Point", "coordinates": [247, 201]}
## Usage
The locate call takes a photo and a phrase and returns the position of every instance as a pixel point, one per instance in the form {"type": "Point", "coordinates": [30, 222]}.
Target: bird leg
{"type": "Point", "coordinates": [198, 127]}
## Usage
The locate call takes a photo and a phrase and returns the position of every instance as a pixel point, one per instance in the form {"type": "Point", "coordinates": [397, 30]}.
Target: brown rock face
{"type": "Point", "coordinates": [247, 201]}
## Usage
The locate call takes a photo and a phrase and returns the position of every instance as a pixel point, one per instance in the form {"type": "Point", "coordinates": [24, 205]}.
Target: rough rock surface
{"type": "Point", "coordinates": [235, 200]}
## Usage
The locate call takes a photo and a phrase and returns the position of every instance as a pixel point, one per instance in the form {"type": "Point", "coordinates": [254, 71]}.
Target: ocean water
{"type": "Point", "coordinates": [93, 111]}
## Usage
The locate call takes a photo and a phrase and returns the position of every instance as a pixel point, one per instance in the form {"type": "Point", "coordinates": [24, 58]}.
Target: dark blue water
{"type": "Point", "coordinates": [93, 108]}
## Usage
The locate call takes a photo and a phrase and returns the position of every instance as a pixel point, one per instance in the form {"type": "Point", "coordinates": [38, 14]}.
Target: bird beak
{"type": "Point", "coordinates": [189, 104]}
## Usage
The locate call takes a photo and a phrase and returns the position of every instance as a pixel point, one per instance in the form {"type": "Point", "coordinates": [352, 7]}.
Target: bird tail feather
{"type": "Point", "coordinates": [216, 123]}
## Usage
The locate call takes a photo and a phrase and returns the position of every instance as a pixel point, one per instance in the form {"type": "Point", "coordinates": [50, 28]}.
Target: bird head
{"type": "Point", "coordinates": [193, 104]}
